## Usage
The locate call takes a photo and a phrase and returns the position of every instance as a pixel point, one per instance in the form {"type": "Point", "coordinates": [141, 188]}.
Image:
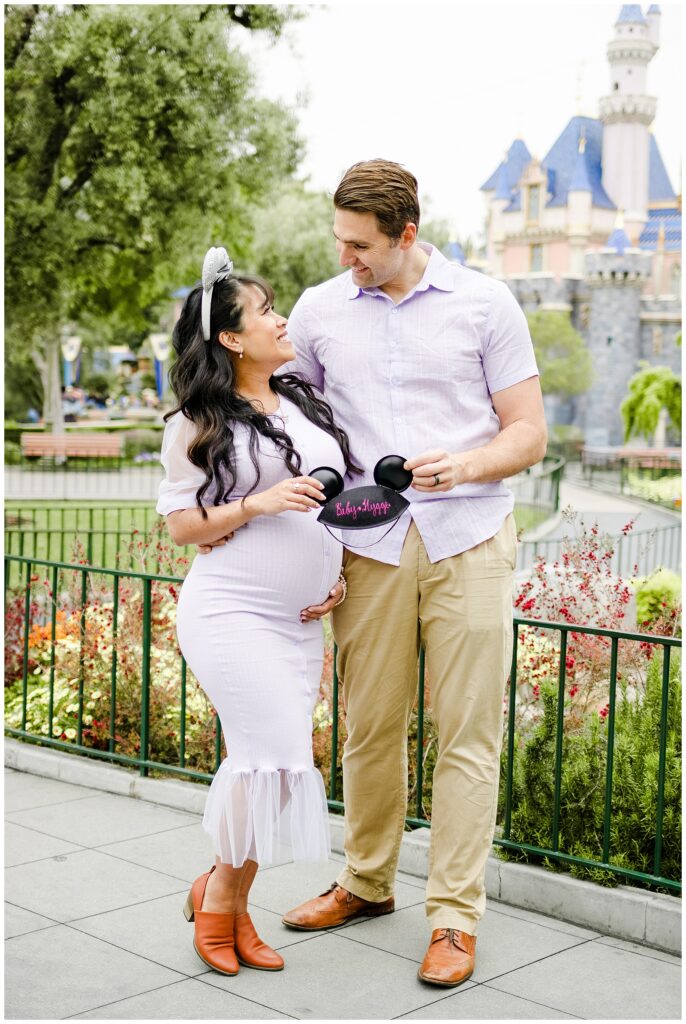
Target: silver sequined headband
{"type": "Point", "coordinates": [215, 267]}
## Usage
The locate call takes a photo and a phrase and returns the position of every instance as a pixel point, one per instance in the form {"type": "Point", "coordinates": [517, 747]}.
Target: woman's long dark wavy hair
{"type": "Point", "coordinates": [204, 381]}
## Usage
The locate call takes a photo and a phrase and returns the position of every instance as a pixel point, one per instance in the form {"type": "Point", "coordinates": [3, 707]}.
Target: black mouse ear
{"type": "Point", "coordinates": [389, 472]}
{"type": "Point", "coordinates": [332, 480]}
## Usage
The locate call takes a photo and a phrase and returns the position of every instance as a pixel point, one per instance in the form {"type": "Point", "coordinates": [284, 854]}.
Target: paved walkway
{"type": "Point", "coordinates": [94, 888]}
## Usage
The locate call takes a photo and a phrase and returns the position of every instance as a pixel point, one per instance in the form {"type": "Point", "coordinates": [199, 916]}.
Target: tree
{"type": "Point", "coordinates": [564, 362]}
{"type": "Point", "coordinates": [654, 395]}
{"type": "Point", "coordinates": [134, 139]}
{"type": "Point", "coordinates": [293, 244]}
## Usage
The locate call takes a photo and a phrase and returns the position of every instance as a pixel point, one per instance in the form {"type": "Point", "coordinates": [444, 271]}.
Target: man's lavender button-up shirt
{"type": "Point", "coordinates": [403, 379]}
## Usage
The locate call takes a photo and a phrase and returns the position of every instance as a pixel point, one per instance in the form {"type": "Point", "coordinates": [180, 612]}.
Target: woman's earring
{"type": "Point", "coordinates": [240, 354]}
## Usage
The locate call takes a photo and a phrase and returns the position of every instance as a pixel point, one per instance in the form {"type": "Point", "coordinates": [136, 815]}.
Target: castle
{"type": "Point", "coordinates": [594, 229]}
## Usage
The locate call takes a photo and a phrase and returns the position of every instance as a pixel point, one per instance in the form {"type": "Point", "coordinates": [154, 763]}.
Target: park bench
{"type": "Point", "coordinates": [644, 458]}
{"type": "Point", "coordinates": [82, 446]}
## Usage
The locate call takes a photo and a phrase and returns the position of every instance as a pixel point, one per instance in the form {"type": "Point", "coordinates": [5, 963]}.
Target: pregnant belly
{"type": "Point", "coordinates": [273, 565]}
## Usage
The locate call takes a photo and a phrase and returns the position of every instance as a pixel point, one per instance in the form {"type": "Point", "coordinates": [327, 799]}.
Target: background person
{"type": "Point", "coordinates": [237, 450]}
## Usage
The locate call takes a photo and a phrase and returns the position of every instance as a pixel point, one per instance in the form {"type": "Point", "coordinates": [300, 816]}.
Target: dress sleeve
{"type": "Point", "coordinates": [182, 478]}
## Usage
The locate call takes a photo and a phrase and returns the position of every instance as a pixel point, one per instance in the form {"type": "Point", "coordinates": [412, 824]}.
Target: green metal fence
{"type": "Point", "coordinates": [537, 492]}
{"type": "Point", "coordinates": [100, 534]}
{"type": "Point", "coordinates": [117, 636]}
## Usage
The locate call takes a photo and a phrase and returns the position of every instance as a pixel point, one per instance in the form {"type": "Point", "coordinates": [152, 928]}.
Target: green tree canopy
{"type": "Point", "coordinates": [134, 139]}
{"type": "Point", "coordinates": [651, 390]}
{"type": "Point", "coordinates": [564, 362]}
{"type": "Point", "coordinates": [293, 246]}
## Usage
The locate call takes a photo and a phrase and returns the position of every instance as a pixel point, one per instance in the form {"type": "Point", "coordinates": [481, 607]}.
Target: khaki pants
{"type": "Point", "coordinates": [460, 609]}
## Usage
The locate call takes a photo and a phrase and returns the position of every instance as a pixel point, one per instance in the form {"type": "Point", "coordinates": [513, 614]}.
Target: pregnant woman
{"type": "Point", "coordinates": [237, 450]}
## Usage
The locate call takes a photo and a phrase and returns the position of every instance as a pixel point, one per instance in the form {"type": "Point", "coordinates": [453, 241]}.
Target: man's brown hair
{"type": "Point", "coordinates": [383, 188]}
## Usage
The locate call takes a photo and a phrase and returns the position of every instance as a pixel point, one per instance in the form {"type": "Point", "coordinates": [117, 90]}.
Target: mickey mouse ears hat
{"type": "Point", "coordinates": [361, 508]}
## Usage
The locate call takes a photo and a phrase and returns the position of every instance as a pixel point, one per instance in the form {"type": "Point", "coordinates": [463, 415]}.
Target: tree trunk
{"type": "Point", "coordinates": [661, 429]}
{"type": "Point", "coordinates": [49, 368]}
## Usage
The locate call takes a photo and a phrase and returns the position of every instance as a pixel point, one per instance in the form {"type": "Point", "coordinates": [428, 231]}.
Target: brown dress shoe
{"type": "Point", "coordinates": [449, 959]}
{"type": "Point", "coordinates": [335, 907]}
{"type": "Point", "coordinates": [214, 933]}
{"type": "Point", "coordinates": [251, 950]}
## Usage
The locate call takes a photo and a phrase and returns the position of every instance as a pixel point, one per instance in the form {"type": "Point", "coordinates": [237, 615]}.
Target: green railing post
{"type": "Point", "coordinates": [145, 675]}
{"type": "Point", "coordinates": [27, 626]}
{"type": "Point", "coordinates": [53, 632]}
{"type": "Point", "coordinates": [420, 735]}
{"type": "Point", "coordinates": [659, 814]}
{"type": "Point", "coordinates": [507, 825]}
{"type": "Point", "coordinates": [113, 677]}
{"type": "Point", "coordinates": [559, 739]}
{"type": "Point", "coordinates": [334, 728]}
{"type": "Point", "coordinates": [217, 742]}
{"type": "Point", "coordinates": [182, 723]}
{"type": "Point", "coordinates": [82, 656]}
{"type": "Point", "coordinates": [610, 750]}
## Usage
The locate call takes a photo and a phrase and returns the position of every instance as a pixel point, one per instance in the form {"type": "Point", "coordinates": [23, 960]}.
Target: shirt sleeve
{"type": "Point", "coordinates": [303, 338]}
{"type": "Point", "coordinates": [508, 352]}
{"type": "Point", "coordinates": [182, 478]}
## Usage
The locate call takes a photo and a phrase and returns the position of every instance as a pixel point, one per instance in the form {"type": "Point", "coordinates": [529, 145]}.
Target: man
{"type": "Point", "coordinates": [424, 358]}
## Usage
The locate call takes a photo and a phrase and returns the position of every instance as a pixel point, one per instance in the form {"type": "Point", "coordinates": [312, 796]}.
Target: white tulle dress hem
{"type": "Point", "coordinates": [255, 815]}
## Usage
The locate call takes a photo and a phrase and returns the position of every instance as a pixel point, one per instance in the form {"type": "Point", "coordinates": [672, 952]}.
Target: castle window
{"type": "Point", "coordinates": [657, 340]}
{"type": "Point", "coordinates": [616, 87]}
{"type": "Point", "coordinates": [676, 279]}
{"type": "Point", "coordinates": [534, 202]}
{"type": "Point", "coordinates": [536, 257]}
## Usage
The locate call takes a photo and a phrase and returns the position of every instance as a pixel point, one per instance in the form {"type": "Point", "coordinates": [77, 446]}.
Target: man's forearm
{"type": "Point", "coordinates": [188, 526]}
{"type": "Point", "coordinates": [517, 447]}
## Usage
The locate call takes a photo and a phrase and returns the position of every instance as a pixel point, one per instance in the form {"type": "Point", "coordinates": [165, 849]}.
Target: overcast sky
{"type": "Point", "coordinates": [445, 88]}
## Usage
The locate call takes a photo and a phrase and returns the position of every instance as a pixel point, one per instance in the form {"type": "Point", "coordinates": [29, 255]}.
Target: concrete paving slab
{"type": "Point", "coordinates": [281, 888]}
{"type": "Point", "coordinates": [189, 855]}
{"type": "Point", "coordinates": [57, 972]}
{"type": "Point", "coordinates": [24, 791]}
{"type": "Point", "coordinates": [101, 819]}
{"type": "Point", "coordinates": [184, 1000]}
{"type": "Point", "coordinates": [72, 886]}
{"type": "Point", "coordinates": [156, 929]}
{"type": "Point", "coordinates": [597, 981]}
{"type": "Point", "coordinates": [635, 947]}
{"type": "Point", "coordinates": [19, 921]}
{"type": "Point", "coordinates": [504, 943]}
{"type": "Point", "coordinates": [332, 979]}
{"type": "Point", "coordinates": [483, 1003]}
{"type": "Point", "coordinates": [23, 845]}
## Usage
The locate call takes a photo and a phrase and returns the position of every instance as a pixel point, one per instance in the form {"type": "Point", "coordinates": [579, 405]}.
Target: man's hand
{"type": "Point", "coordinates": [436, 465]}
{"type": "Point", "coordinates": [318, 611]}
{"type": "Point", "coordinates": [204, 549]}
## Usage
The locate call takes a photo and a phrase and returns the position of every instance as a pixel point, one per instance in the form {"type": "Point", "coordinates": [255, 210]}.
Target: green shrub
{"type": "Point", "coordinates": [657, 595]}
{"type": "Point", "coordinates": [137, 442]}
{"type": "Point", "coordinates": [12, 453]}
{"type": "Point", "coordinates": [582, 795]}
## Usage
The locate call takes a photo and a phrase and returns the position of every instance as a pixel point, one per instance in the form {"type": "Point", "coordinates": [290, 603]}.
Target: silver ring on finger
{"type": "Point", "coordinates": [437, 479]}
{"type": "Point", "coordinates": [296, 487]}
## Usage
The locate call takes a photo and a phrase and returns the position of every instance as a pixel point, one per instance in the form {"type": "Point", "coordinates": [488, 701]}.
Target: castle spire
{"type": "Point", "coordinates": [619, 240]}
{"type": "Point", "coordinates": [627, 113]}
{"type": "Point", "coordinates": [581, 181]}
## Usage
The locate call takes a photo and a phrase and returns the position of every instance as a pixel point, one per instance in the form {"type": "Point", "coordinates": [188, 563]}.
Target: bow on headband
{"type": "Point", "coordinates": [216, 266]}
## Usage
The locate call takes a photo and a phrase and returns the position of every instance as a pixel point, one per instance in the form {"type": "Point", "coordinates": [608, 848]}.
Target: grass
{"type": "Point", "coordinates": [48, 530]}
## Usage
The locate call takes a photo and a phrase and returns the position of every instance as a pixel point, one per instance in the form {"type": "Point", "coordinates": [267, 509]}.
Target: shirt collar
{"type": "Point", "coordinates": [437, 274]}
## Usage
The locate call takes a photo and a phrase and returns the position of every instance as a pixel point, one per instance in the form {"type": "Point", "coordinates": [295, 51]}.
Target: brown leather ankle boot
{"type": "Point", "coordinates": [251, 950]}
{"type": "Point", "coordinates": [214, 933]}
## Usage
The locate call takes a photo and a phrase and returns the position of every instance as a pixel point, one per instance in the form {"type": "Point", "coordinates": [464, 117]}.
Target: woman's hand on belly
{"type": "Point", "coordinates": [318, 611]}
